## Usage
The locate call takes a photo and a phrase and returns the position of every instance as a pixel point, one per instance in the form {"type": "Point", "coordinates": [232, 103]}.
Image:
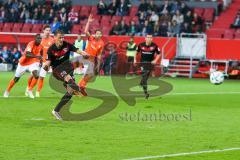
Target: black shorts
{"type": "Point", "coordinates": [63, 70]}
{"type": "Point", "coordinates": [130, 59]}
{"type": "Point", "coordinates": [146, 66]}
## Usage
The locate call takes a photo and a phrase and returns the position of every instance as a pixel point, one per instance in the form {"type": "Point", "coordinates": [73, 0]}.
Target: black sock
{"type": "Point", "coordinates": [65, 99]}
{"type": "Point", "coordinates": [73, 85]}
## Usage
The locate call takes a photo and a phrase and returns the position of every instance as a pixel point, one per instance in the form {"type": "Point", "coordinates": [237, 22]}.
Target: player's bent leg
{"type": "Point", "coordinates": [42, 75]}
{"type": "Point", "coordinates": [64, 100]}
{"type": "Point", "coordinates": [33, 83]}
{"type": "Point", "coordinates": [10, 86]}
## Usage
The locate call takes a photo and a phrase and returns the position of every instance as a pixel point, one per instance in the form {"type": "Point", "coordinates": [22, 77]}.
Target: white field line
{"type": "Point", "coordinates": [168, 94]}
{"type": "Point", "coordinates": [184, 154]}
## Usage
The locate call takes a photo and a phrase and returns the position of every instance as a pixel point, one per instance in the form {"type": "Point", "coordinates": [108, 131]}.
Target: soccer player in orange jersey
{"type": "Point", "coordinates": [29, 61]}
{"type": "Point", "coordinates": [94, 49]}
{"type": "Point", "coordinates": [47, 41]}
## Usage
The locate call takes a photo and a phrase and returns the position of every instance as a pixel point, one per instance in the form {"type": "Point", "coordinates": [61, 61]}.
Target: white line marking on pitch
{"type": "Point", "coordinates": [168, 94]}
{"type": "Point", "coordinates": [183, 154]}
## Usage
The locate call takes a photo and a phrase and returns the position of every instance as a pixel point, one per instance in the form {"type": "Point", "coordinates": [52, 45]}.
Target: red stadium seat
{"type": "Point", "coordinates": [135, 19]}
{"type": "Point", "coordinates": [106, 30]}
{"type": "Point", "coordinates": [94, 10]}
{"type": "Point", "coordinates": [127, 19]}
{"type": "Point", "coordinates": [1, 26]}
{"type": "Point", "coordinates": [199, 11]}
{"type": "Point", "coordinates": [229, 34]}
{"type": "Point", "coordinates": [133, 11]}
{"type": "Point", "coordinates": [237, 34]}
{"type": "Point", "coordinates": [7, 27]}
{"type": "Point", "coordinates": [215, 33]}
{"type": "Point", "coordinates": [116, 18]}
{"type": "Point", "coordinates": [76, 29]}
{"type": "Point", "coordinates": [26, 28]}
{"type": "Point", "coordinates": [17, 27]}
{"type": "Point", "coordinates": [37, 28]}
{"type": "Point", "coordinates": [208, 14]}
{"type": "Point", "coordinates": [85, 11]}
{"type": "Point", "coordinates": [76, 8]}
{"type": "Point", "coordinates": [105, 20]}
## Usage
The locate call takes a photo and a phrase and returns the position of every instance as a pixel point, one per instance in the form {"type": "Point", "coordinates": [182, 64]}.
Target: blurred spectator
{"type": "Point", "coordinates": [2, 14]}
{"type": "Point", "coordinates": [63, 14]}
{"type": "Point", "coordinates": [178, 17]}
{"type": "Point", "coordinates": [133, 28]}
{"type": "Point", "coordinates": [142, 18]}
{"type": "Point", "coordinates": [24, 16]}
{"type": "Point", "coordinates": [35, 16]}
{"type": "Point", "coordinates": [174, 7]}
{"type": "Point", "coordinates": [73, 16]}
{"type": "Point", "coordinates": [145, 29]}
{"type": "Point", "coordinates": [55, 5]}
{"type": "Point", "coordinates": [65, 26]}
{"type": "Point", "coordinates": [122, 9]}
{"type": "Point", "coordinates": [131, 53]}
{"type": "Point", "coordinates": [101, 7]}
{"type": "Point", "coordinates": [184, 9]}
{"type": "Point", "coordinates": [112, 8]}
{"type": "Point", "coordinates": [31, 6]}
{"type": "Point", "coordinates": [12, 16]}
{"type": "Point", "coordinates": [186, 28]}
{"type": "Point", "coordinates": [44, 16]}
{"type": "Point", "coordinates": [152, 6]}
{"type": "Point", "coordinates": [80, 43]}
{"type": "Point", "coordinates": [173, 29]}
{"type": "Point", "coordinates": [163, 29]}
{"type": "Point", "coordinates": [156, 28]}
{"type": "Point", "coordinates": [52, 14]}
{"type": "Point", "coordinates": [16, 54]}
{"type": "Point", "coordinates": [154, 18]}
{"type": "Point", "coordinates": [165, 18]}
{"type": "Point", "coordinates": [143, 7]}
{"type": "Point", "coordinates": [188, 18]}
{"type": "Point", "coordinates": [197, 23]}
{"type": "Point", "coordinates": [6, 55]}
{"type": "Point", "coordinates": [115, 29]}
{"type": "Point", "coordinates": [236, 23]}
{"type": "Point", "coordinates": [165, 8]}
{"type": "Point", "coordinates": [110, 61]}
{"type": "Point", "coordinates": [55, 25]}
{"type": "Point", "coordinates": [123, 30]}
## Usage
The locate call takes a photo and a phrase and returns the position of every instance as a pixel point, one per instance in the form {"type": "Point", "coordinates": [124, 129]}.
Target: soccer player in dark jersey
{"type": "Point", "coordinates": [58, 59]}
{"type": "Point", "coordinates": [148, 50]}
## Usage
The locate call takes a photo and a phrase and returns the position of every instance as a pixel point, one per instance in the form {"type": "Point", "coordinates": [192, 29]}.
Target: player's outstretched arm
{"type": "Point", "coordinates": [30, 55]}
{"type": "Point", "coordinates": [47, 65]}
{"type": "Point", "coordinates": [83, 53]}
{"type": "Point", "coordinates": [157, 58]}
{"type": "Point", "coordinates": [90, 19]}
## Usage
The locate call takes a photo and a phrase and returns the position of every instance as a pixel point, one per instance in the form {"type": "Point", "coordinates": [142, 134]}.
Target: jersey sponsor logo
{"type": "Point", "coordinates": [146, 52]}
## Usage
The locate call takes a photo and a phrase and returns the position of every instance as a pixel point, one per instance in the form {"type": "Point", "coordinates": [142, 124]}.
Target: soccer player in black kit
{"type": "Point", "coordinates": [58, 59]}
{"type": "Point", "coordinates": [148, 50]}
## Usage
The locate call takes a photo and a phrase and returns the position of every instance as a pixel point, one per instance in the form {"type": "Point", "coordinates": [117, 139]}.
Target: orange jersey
{"type": "Point", "coordinates": [46, 43]}
{"type": "Point", "coordinates": [94, 48]}
{"type": "Point", "coordinates": [36, 50]}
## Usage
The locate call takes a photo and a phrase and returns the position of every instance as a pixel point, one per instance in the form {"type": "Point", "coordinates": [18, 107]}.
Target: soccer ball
{"type": "Point", "coordinates": [216, 77]}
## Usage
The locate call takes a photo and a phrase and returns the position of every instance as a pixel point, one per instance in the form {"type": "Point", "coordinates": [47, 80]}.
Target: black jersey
{"type": "Point", "coordinates": [58, 56]}
{"type": "Point", "coordinates": [148, 51]}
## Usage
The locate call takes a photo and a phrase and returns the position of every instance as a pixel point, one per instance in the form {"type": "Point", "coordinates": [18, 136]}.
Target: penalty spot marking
{"type": "Point", "coordinates": [184, 154]}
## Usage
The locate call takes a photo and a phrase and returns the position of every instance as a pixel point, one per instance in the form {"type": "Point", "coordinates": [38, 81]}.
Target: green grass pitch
{"type": "Point", "coordinates": [28, 131]}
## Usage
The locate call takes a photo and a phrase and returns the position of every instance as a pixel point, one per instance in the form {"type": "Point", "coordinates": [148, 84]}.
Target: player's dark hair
{"type": "Point", "coordinates": [38, 35]}
{"type": "Point", "coordinates": [58, 31]}
{"type": "Point", "coordinates": [46, 26]}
